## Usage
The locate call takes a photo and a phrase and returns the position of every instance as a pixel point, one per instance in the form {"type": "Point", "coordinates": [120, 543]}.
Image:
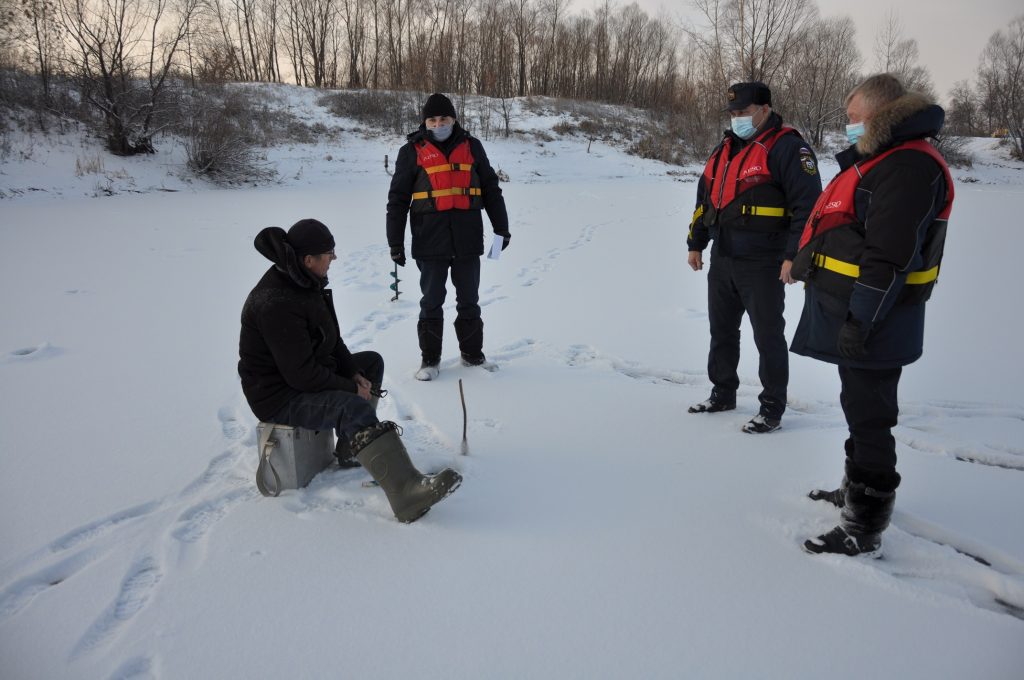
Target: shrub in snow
{"type": "Point", "coordinates": [220, 142]}
{"type": "Point", "coordinates": [954, 150]}
{"type": "Point", "coordinates": [397, 112]}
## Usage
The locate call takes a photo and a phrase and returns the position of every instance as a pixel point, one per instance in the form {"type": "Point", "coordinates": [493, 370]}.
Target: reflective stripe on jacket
{"type": "Point", "coordinates": [833, 238]}
{"type": "Point", "coordinates": [727, 179]}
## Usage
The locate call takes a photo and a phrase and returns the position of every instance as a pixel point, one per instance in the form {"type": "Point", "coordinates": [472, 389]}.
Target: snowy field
{"type": "Point", "coordinates": [601, 531]}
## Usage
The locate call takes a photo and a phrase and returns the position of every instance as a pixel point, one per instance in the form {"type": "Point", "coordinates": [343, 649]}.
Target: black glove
{"type": "Point", "coordinates": [506, 237]}
{"type": "Point", "coordinates": [398, 255]}
{"type": "Point", "coordinates": [852, 337]}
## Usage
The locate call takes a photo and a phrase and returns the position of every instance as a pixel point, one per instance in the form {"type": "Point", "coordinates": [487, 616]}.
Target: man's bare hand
{"type": "Point", "coordinates": [784, 275]}
{"type": "Point", "coordinates": [362, 387]}
{"type": "Point", "coordinates": [695, 260]}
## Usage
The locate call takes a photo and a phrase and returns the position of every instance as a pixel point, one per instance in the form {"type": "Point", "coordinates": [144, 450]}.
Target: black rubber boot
{"type": "Point", "coordinates": [430, 333]}
{"type": "Point", "coordinates": [866, 512]}
{"type": "Point", "coordinates": [470, 333]}
{"type": "Point", "coordinates": [411, 494]}
{"type": "Point", "coordinates": [836, 497]}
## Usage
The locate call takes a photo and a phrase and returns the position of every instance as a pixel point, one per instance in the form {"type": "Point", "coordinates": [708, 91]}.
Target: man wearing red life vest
{"type": "Point", "coordinates": [442, 176]}
{"type": "Point", "coordinates": [870, 256]}
{"type": "Point", "coordinates": [756, 192]}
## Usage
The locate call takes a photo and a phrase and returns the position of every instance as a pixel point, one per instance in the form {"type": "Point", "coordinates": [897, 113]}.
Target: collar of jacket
{"type": "Point", "coordinates": [912, 116]}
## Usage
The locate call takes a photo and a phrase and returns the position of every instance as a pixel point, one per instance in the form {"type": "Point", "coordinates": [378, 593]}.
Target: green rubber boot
{"type": "Point", "coordinates": [411, 494]}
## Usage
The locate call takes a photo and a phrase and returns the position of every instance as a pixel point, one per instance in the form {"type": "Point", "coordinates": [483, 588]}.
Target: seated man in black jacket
{"type": "Point", "coordinates": [296, 369]}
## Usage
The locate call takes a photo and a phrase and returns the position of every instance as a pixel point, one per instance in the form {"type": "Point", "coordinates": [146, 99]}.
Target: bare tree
{"type": "Point", "coordinates": [821, 73]}
{"type": "Point", "coordinates": [742, 40]}
{"type": "Point", "coordinates": [40, 18]}
{"type": "Point", "coordinates": [963, 116]}
{"type": "Point", "coordinates": [121, 54]}
{"type": "Point", "coordinates": [313, 41]}
{"type": "Point", "coordinates": [353, 13]}
{"type": "Point", "coordinates": [523, 15]}
{"type": "Point", "coordinates": [1001, 81]}
{"type": "Point", "coordinates": [898, 55]}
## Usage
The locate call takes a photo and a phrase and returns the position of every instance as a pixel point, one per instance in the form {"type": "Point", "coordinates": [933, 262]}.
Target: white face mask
{"type": "Point", "coordinates": [442, 132]}
{"type": "Point", "coordinates": [743, 126]}
{"type": "Point", "coordinates": [854, 132]}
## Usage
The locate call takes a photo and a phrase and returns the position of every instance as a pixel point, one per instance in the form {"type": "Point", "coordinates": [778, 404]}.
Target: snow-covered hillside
{"type": "Point", "coordinates": [601, 531]}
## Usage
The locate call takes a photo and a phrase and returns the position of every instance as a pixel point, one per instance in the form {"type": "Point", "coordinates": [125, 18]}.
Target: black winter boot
{"type": "Point", "coordinates": [410, 493]}
{"type": "Point", "coordinates": [717, 402]}
{"type": "Point", "coordinates": [865, 515]}
{"type": "Point", "coordinates": [430, 333]}
{"type": "Point", "coordinates": [836, 497]}
{"type": "Point", "coordinates": [471, 340]}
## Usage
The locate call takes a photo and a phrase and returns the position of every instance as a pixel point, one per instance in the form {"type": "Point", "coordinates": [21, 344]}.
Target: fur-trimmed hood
{"type": "Point", "coordinates": [912, 116]}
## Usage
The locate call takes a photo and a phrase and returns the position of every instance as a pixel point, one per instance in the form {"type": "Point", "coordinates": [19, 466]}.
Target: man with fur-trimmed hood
{"type": "Point", "coordinates": [870, 256]}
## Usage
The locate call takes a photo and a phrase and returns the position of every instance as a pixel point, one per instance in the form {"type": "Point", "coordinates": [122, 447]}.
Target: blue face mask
{"type": "Point", "coordinates": [854, 132]}
{"type": "Point", "coordinates": [743, 126]}
{"type": "Point", "coordinates": [442, 132]}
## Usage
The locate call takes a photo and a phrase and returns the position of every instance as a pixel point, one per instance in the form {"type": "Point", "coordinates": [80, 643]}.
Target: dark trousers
{"type": "Point", "coordinates": [345, 412]}
{"type": "Point", "coordinates": [433, 286]}
{"type": "Point", "coordinates": [752, 286]}
{"type": "Point", "coordinates": [869, 403]}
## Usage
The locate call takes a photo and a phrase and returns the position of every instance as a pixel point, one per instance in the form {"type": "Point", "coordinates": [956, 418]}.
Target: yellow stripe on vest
{"type": "Point", "coordinates": [437, 193]}
{"type": "Point", "coordinates": [853, 271]}
{"type": "Point", "coordinates": [763, 211]}
{"type": "Point", "coordinates": [696, 216]}
{"type": "Point", "coordinates": [926, 276]}
{"type": "Point", "coordinates": [457, 167]}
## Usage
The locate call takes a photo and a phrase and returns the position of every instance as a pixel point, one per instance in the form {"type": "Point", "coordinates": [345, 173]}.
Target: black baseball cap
{"type": "Point", "coordinates": [742, 95]}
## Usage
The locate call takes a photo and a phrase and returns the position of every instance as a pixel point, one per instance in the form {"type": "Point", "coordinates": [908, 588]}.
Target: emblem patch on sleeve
{"type": "Point", "coordinates": [807, 161]}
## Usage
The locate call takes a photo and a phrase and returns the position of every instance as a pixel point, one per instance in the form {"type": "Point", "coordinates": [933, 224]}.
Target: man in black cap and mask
{"type": "Point", "coordinates": [442, 176]}
{"type": "Point", "coordinates": [755, 195]}
{"type": "Point", "coordinates": [296, 369]}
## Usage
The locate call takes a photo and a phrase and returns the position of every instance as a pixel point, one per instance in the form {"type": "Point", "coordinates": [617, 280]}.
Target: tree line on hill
{"type": "Point", "coordinates": [124, 60]}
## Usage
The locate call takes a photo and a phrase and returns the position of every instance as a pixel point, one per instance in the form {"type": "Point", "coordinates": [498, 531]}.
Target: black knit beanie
{"type": "Point", "coordinates": [310, 237]}
{"type": "Point", "coordinates": [438, 105]}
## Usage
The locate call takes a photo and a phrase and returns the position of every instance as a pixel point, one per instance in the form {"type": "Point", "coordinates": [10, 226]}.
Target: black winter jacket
{"type": "Point", "coordinates": [450, 233]}
{"type": "Point", "coordinates": [796, 184]}
{"type": "Point", "coordinates": [290, 340]}
{"type": "Point", "coordinates": [896, 203]}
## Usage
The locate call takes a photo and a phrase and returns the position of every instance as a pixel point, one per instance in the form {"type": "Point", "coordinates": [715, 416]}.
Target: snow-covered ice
{"type": "Point", "coordinates": [601, 531]}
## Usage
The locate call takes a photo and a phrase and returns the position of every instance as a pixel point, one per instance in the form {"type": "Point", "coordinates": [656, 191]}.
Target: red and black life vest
{"type": "Point", "coordinates": [728, 181]}
{"type": "Point", "coordinates": [831, 257]}
{"type": "Point", "coordinates": [445, 183]}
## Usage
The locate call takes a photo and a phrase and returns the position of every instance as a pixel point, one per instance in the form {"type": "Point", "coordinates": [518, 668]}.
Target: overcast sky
{"type": "Point", "coordinates": [950, 34]}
